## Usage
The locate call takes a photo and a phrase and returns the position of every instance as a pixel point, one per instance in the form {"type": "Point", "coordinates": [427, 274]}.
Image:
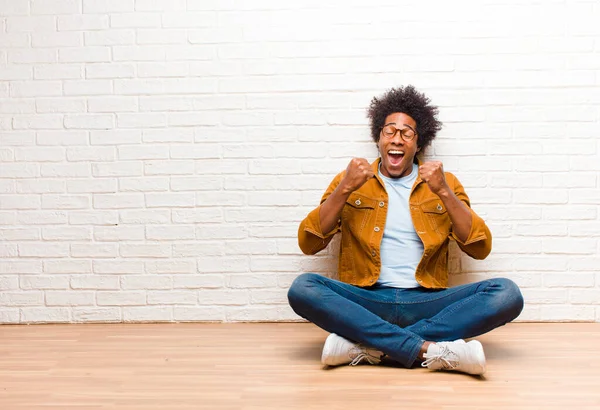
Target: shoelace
{"type": "Point", "coordinates": [362, 354]}
{"type": "Point", "coordinates": [447, 357]}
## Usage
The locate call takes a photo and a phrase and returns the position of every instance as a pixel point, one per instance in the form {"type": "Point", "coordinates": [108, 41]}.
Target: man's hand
{"type": "Point", "coordinates": [357, 173]}
{"type": "Point", "coordinates": [433, 174]}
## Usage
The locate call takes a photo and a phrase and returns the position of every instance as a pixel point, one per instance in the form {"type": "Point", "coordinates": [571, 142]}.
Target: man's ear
{"type": "Point", "coordinates": [418, 149]}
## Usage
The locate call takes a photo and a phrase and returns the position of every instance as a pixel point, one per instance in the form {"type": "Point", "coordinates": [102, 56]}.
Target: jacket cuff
{"type": "Point", "coordinates": [477, 233]}
{"type": "Point", "coordinates": [313, 225]}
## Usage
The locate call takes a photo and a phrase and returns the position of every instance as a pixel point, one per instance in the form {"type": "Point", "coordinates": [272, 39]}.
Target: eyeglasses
{"type": "Point", "coordinates": [407, 134]}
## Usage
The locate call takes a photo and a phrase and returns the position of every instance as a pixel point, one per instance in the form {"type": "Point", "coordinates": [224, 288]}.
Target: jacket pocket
{"type": "Point", "coordinates": [357, 212]}
{"type": "Point", "coordinates": [437, 216]}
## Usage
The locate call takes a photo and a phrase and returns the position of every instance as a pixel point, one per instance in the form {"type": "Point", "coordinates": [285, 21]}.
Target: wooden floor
{"type": "Point", "coordinates": [276, 366]}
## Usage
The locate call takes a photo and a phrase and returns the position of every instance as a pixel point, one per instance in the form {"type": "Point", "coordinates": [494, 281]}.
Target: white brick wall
{"type": "Point", "coordinates": [157, 155]}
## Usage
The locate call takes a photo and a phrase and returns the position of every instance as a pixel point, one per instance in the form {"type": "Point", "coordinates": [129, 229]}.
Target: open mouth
{"type": "Point", "coordinates": [395, 156]}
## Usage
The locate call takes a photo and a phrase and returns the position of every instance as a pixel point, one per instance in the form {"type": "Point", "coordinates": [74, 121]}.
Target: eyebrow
{"type": "Point", "coordinates": [393, 123]}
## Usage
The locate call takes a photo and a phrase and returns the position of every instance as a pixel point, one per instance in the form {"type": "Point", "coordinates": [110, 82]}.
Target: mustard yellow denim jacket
{"type": "Point", "coordinates": [362, 222]}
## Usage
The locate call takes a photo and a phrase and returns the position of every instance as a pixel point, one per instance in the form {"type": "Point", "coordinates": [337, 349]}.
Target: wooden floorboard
{"type": "Point", "coordinates": [276, 366]}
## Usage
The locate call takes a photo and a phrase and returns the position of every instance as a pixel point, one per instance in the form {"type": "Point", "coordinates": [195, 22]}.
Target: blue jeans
{"type": "Point", "coordinates": [398, 321]}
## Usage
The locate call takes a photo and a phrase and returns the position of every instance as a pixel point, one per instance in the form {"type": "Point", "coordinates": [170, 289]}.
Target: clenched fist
{"type": "Point", "coordinates": [358, 172]}
{"type": "Point", "coordinates": [433, 174]}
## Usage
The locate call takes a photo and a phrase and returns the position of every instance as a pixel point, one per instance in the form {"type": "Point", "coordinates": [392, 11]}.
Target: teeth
{"type": "Point", "coordinates": [394, 152]}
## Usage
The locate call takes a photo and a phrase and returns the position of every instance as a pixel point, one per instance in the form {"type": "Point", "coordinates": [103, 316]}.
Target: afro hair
{"type": "Point", "coordinates": [411, 102]}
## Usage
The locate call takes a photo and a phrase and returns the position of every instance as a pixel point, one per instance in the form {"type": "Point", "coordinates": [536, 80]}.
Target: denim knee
{"type": "Point", "coordinates": [301, 291]}
{"type": "Point", "coordinates": [510, 299]}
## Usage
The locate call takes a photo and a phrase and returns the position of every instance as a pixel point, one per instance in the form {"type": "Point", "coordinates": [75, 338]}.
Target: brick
{"type": "Point", "coordinates": [221, 199]}
{"type": "Point", "coordinates": [141, 282]}
{"type": "Point", "coordinates": [158, 200]}
{"type": "Point", "coordinates": [172, 297]}
{"type": "Point", "coordinates": [170, 233]}
{"type": "Point", "coordinates": [145, 216]}
{"type": "Point", "coordinates": [197, 215]}
{"type": "Point", "coordinates": [94, 250]}
{"type": "Point", "coordinates": [67, 267]}
{"type": "Point", "coordinates": [161, 36]}
{"type": "Point", "coordinates": [35, 88]}
{"type": "Point", "coordinates": [118, 201]}
{"type": "Point", "coordinates": [95, 154]}
{"type": "Point", "coordinates": [56, 39]}
{"type": "Point", "coordinates": [95, 282]}
{"type": "Point", "coordinates": [93, 217]}
{"type": "Point", "coordinates": [29, 298]}
{"type": "Point", "coordinates": [19, 234]}
{"type": "Point", "coordinates": [29, 23]}
{"type": "Point", "coordinates": [224, 264]}
{"type": "Point", "coordinates": [109, 70]}
{"type": "Point", "coordinates": [172, 266]}
{"type": "Point", "coordinates": [118, 233]}
{"type": "Point", "coordinates": [109, 37]}
{"type": "Point", "coordinates": [120, 266]}
{"type": "Point", "coordinates": [59, 106]}
{"type": "Point", "coordinates": [82, 22]}
{"type": "Point", "coordinates": [107, 6]}
{"type": "Point", "coordinates": [199, 314]}
{"type": "Point", "coordinates": [145, 251]}
{"type": "Point", "coordinates": [197, 249]}
{"type": "Point", "coordinates": [96, 54]}
{"type": "Point", "coordinates": [9, 316]}
{"type": "Point", "coordinates": [64, 137]}
{"type": "Point", "coordinates": [141, 120]}
{"type": "Point", "coordinates": [252, 281]}
{"type": "Point", "coordinates": [144, 184]}
{"type": "Point", "coordinates": [54, 7]}
{"type": "Point", "coordinates": [89, 121]}
{"type": "Point", "coordinates": [132, 152]}
{"type": "Point", "coordinates": [69, 298]}
{"type": "Point", "coordinates": [198, 281]}
{"type": "Point", "coordinates": [9, 283]}
{"type": "Point", "coordinates": [115, 137]}
{"type": "Point", "coordinates": [148, 314]}
{"type": "Point", "coordinates": [38, 122]}
{"type": "Point", "coordinates": [223, 297]}
{"type": "Point", "coordinates": [120, 298]}
{"type": "Point", "coordinates": [196, 183]}
{"type": "Point", "coordinates": [53, 201]}
{"type": "Point", "coordinates": [112, 104]}
{"type": "Point", "coordinates": [221, 230]}
{"type": "Point", "coordinates": [20, 266]}
{"type": "Point", "coordinates": [167, 136]}
{"type": "Point", "coordinates": [136, 20]}
{"type": "Point", "coordinates": [41, 217]}
{"type": "Point", "coordinates": [20, 170]}
{"type": "Point", "coordinates": [119, 169]}
{"type": "Point", "coordinates": [66, 233]}
{"type": "Point", "coordinates": [93, 314]}
{"type": "Point", "coordinates": [43, 250]}
{"type": "Point", "coordinates": [20, 202]}
{"type": "Point", "coordinates": [45, 315]}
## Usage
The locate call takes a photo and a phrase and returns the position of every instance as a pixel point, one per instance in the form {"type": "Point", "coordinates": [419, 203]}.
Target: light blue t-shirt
{"type": "Point", "coordinates": [401, 247]}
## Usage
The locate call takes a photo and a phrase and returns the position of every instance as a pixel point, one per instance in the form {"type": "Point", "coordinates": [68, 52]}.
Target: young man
{"type": "Point", "coordinates": [396, 217]}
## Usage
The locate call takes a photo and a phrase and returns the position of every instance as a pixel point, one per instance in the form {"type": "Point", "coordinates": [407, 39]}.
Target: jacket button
{"type": "Point", "coordinates": [357, 202]}
{"type": "Point", "coordinates": [439, 207]}
{"type": "Point", "coordinates": [373, 253]}
{"type": "Point", "coordinates": [377, 229]}
{"type": "Point", "coordinates": [381, 204]}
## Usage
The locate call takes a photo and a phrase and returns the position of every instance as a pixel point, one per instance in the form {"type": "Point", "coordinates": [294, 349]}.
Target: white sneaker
{"type": "Point", "coordinates": [338, 350]}
{"type": "Point", "coordinates": [457, 355]}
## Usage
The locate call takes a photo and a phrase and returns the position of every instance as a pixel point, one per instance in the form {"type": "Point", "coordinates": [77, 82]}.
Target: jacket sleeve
{"type": "Point", "coordinates": [311, 239]}
{"type": "Point", "coordinates": [479, 242]}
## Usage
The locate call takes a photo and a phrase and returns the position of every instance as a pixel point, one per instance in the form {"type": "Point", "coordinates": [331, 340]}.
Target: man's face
{"type": "Point", "coordinates": [397, 154]}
